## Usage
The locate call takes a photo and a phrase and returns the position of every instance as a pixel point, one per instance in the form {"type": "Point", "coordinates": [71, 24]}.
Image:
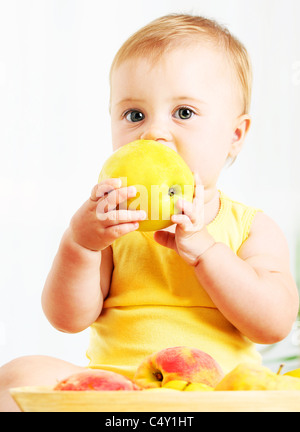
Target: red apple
{"type": "Point", "coordinates": [178, 363]}
{"type": "Point", "coordinates": [96, 379]}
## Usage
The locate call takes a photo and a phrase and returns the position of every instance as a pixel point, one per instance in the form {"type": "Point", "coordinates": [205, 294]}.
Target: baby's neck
{"type": "Point", "coordinates": [211, 206]}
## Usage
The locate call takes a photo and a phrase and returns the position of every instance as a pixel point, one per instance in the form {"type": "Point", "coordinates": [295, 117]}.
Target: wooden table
{"type": "Point", "coordinates": [43, 399]}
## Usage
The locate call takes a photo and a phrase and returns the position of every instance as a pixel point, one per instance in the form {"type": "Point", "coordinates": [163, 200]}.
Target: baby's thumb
{"type": "Point", "coordinates": [165, 238]}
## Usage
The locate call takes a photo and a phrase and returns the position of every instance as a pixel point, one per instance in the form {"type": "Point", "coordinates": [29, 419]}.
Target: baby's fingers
{"type": "Point", "coordinates": [187, 209]}
{"type": "Point", "coordinates": [191, 215]}
{"type": "Point", "coordinates": [104, 187]}
{"type": "Point", "coordinates": [184, 207]}
{"type": "Point", "coordinates": [115, 217]}
{"type": "Point", "coordinates": [117, 196]}
{"type": "Point", "coordinates": [183, 221]}
{"type": "Point", "coordinates": [199, 188]}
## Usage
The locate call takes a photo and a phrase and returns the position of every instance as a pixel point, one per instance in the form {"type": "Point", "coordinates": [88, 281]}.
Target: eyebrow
{"type": "Point", "coordinates": [177, 98]}
{"type": "Point", "coordinates": [129, 100]}
{"type": "Point", "coordinates": [189, 98]}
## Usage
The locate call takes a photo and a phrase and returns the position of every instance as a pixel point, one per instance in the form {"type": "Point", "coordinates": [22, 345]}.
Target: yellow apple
{"type": "Point", "coordinates": [159, 389]}
{"type": "Point", "coordinates": [198, 387]}
{"type": "Point", "coordinates": [186, 386]}
{"type": "Point", "coordinates": [247, 376]}
{"type": "Point", "coordinates": [160, 176]}
{"type": "Point", "coordinates": [293, 373]}
{"type": "Point", "coordinates": [176, 385]}
{"type": "Point", "coordinates": [183, 364]}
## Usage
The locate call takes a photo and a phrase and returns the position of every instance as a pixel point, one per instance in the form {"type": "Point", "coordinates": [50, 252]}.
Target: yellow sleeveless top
{"type": "Point", "coordinates": [155, 301]}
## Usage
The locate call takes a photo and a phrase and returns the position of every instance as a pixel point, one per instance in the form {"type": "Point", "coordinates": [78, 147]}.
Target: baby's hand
{"type": "Point", "coordinates": [98, 222]}
{"type": "Point", "coordinates": [191, 238]}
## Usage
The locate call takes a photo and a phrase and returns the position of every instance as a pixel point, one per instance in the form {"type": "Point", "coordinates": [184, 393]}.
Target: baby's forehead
{"type": "Point", "coordinates": [200, 47]}
{"type": "Point", "coordinates": [185, 70]}
{"type": "Point", "coordinates": [198, 55]}
{"type": "Point", "coordinates": [155, 53]}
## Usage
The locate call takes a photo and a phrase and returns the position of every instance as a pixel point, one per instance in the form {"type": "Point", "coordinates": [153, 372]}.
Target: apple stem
{"type": "Point", "coordinates": [186, 386]}
{"type": "Point", "coordinates": [158, 376]}
{"type": "Point", "coordinates": [281, 366]}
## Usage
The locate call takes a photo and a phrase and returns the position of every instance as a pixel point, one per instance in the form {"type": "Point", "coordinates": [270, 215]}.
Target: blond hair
{"type": "Point", "coordinates": [170, 31]}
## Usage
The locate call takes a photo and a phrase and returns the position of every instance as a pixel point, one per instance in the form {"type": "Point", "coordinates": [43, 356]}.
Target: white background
{"type": "Point", "coordinates": [55, 57]}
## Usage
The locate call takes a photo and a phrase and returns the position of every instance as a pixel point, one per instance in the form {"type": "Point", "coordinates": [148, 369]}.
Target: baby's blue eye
{"type": "Point", "coordinates": [134, 116]}
{"type": "Point", "coordinates": [184, 113]}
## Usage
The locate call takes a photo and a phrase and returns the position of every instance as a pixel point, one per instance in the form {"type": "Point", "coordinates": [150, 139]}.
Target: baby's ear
{"type": "Point", "coordinates": [239, 134]}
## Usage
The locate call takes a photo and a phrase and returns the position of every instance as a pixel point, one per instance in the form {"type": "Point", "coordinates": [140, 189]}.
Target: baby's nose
{"type": "Point", "coordinates": [158, 134]}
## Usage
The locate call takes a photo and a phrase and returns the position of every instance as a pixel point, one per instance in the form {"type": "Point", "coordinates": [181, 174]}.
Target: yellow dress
{"type": "Point", "coordinates": [156, 301]}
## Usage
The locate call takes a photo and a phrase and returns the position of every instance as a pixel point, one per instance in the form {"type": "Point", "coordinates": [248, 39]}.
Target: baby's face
{"type": "Point", "coordinates": [189, 100]}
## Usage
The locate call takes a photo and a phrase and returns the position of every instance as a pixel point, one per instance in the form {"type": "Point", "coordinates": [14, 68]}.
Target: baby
{"type": "Point", "coordinates": [218, 279]}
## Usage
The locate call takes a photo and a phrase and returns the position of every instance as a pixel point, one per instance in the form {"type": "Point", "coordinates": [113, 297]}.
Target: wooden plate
{"type": "Point", "coordinates": [43, 399]}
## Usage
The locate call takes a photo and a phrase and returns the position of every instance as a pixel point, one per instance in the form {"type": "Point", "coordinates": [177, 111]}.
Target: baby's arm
{"type": "Point", "coordinates": [79, 279]}
{"type": "Point", "coordinates": [254, 289]}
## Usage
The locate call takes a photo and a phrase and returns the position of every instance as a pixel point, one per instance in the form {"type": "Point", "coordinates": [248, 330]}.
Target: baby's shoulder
{"type": "Point", "coordinates": [236, 204]}
{"type": "Point", "coordinates": [264, 226]}
{"type": "Point", "coordinates": [265, 238]}
{"type": "Point", "coordinates": [233, 212]}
